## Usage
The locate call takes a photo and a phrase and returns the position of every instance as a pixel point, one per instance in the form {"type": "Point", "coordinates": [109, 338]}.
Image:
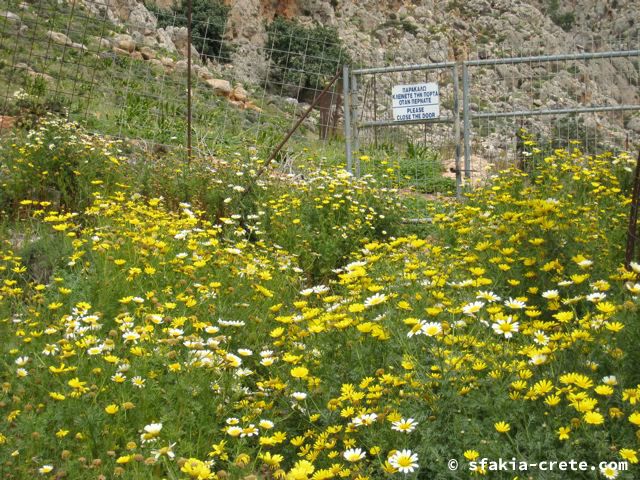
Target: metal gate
{"type": "Point", "coordinates": [593, 97]}
{"type": "Point", "coordinates": [586, 109]}
{"type": "Point", "coordinates": [420, 154]}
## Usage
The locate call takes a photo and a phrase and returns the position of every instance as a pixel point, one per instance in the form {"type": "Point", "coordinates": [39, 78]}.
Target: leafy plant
{"type": "Point", "coordinates": [303, 58]}
{"type": "Point", "coordinates": [423, 166]}
{"type": "Point", "coordinates": [564, 20]}
{"type": "Point", "coordinates": [208, 20]}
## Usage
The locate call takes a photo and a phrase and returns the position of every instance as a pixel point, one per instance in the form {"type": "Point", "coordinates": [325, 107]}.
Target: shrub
{"type": "Point", "coordinates": [208, 20]}
{"type": "Point", "coordinates": [303, 58]}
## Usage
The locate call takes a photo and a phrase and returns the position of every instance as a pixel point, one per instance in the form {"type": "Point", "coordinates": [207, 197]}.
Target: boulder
{"type": "Point", "coordinates": [121, 52]}
{"type": "Point", "coordinates": [131, 13]}
{"type": "Point", "coordinates": [11, 17]}
{"type": "Point", "coordinates": [239, 93]}
{"type": "Point", "coordinates": [168, 62]}
{"type": "Point", "coordinates": [103, 44]}
{"type": "Point", "coordinates": [59, 38]}
{"type": "Point", "coordinates": [124, 42]}
{"type": "Point", "coordinates": [220, 87]}
{"type": "Point", "coordinates": [205, 74]}
{"type": "Point", "coordinates": [147, 53]}
{"type": "Point", "coordinates": [634, 124]}
{"type": "Point", "coordinates": [164, 41]}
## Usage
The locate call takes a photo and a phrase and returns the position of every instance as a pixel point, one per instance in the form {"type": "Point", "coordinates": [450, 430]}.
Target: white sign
{"type": "Point", "coordinates": [420, 101]}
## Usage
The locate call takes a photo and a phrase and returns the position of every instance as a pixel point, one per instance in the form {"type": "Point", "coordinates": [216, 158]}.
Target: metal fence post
{"type": "Point", "coordinates": [354, 103]}
{"type": "Point", "coordinates": [456, 113]}
{"type": "Point", "coordinates": [467, 124]}
{"type": "Point", "coordinates": [347, 117]}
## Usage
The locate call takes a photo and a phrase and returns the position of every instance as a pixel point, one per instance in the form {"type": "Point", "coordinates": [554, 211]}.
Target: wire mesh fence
{"type": "Point", "coordinates": [590, 98]}
{"type": "Point", "coordinates": [122, 72]}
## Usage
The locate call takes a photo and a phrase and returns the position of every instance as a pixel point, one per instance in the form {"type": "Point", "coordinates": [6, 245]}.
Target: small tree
{"type": "Point", "coordinates": [302, 58]}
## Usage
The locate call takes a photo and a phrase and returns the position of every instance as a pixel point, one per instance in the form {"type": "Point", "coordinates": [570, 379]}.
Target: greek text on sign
{"type": "Point", "coordinates": [420, 101]}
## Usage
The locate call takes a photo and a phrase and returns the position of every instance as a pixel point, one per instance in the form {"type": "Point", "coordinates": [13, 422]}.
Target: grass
{"type": "Point", "coordinates": [161, 323]}
{"type": "Point", "coordinates": [171, 319]}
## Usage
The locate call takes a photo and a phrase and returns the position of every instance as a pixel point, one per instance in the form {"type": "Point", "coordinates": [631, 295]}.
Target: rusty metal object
{"type": "Point", "coordinates": [632, 233]}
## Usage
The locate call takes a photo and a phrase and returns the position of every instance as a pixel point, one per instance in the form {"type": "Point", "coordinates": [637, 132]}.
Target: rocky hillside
{"type": "Point", "coordinates": [396, 31]}
{"type": "Point", "coordinates": [377, 33]}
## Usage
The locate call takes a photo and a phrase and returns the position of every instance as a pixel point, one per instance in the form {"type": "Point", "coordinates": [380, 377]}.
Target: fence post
{"type": "Point", "coordinates": [347, 117]}
{"type": "Point", "coordinates": [189, 115]}
{"type": "Point", "coordinates": [354, 103]}
{"type": "Point", "coordinates": [467, 125]}
{"type": "Point", "coordinates": [632, 233]}
{"type": "Point", "coordinates": [456, 110]}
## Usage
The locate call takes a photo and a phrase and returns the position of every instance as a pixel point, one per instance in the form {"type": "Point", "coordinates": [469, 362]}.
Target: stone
{"type": "Point", "coordinates": [147, 53]}
{"type": "Point", "coordinates": [239, 93]}
{"type": "Point", "coordinates": [11, 17]}
{"type": "Point", "coordinates": [121, 52]}
{"type": "Point", "coordinates": [136, 56]}
{"type": "Point", "coordinates": [131, 13]}
{"type": "Point", "coordinates": [180, 66]}
{"type": "Point", "coordinates": [154, 62]}
{"type": "Point", "coordinates": [179, 36]}
{"type": "Point", "coordinates": [59, 38]}
{"type": "Point", "coordinates": [634, 124]}
{"type": "Point", "coordinates": [205, 74]}
{"type": "Point", "coordinates": [43, 76]}
{"type": "Point", "coordinates": [124, 42]}
{"type": "Point", "coordinates": [79, 46]}
{"type": "Point", "coordinates": [164, 40]}
{"type": "Point", "coordinates": [219, 86]}
{"type": "Point", "coordinates": [103, 44]}
{"type": "Point", "coordinates": [168, 62]}
{"type": "Point", "coordinates": [150, 41]}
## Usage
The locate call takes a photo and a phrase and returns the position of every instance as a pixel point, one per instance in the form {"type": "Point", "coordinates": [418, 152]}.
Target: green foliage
{"type": "Point", "coordinates": [564, 20]}
{"type": "Point", "coordinates": [53, 164]}
{"type": "Point", "coordinates": [33, 102]}
{"type": "Point", "coordinates": [422, 164]}
{"type": "Point", "coordinates": [303, 58]}
{"type": "Point", "coordinates": [208, 20]}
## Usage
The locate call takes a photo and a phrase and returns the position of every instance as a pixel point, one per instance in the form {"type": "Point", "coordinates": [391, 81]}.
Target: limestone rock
{"type": "Point", "coordinates": [124, 42]}
{"type": "Point", "coordinates": [147, 53]}
{"type": "Point", "coordinates": [205, 74]}
{"type": "Point", "coordinates": [219, 86]}
{"type": "Point", "coordinates": [239, 93]}
{"type": "Point", "coordinates": [10, 17]}
{"type": "Point", "coordinates": [59, 38]}
{"type": "Point", "coordinates": [168, 62]}
{"type": "Point", "coordinates": [131, 13]}
{"type": "Point", "coordinates": [164, 41]}
{"type": "Point", "coordinates": [634, 124]}
{"type": "Point", "coordinates": [121, 52]}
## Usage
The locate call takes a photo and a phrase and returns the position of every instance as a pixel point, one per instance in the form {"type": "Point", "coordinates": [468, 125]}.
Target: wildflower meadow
{"type": "Point", "coordinates": [165, 319]}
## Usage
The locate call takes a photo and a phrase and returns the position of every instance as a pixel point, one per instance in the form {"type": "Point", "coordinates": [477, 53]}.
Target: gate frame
{"type": "Point", "coordinates": [463, 138]}
{"type": "Point", "coordinates": [352, 126]}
